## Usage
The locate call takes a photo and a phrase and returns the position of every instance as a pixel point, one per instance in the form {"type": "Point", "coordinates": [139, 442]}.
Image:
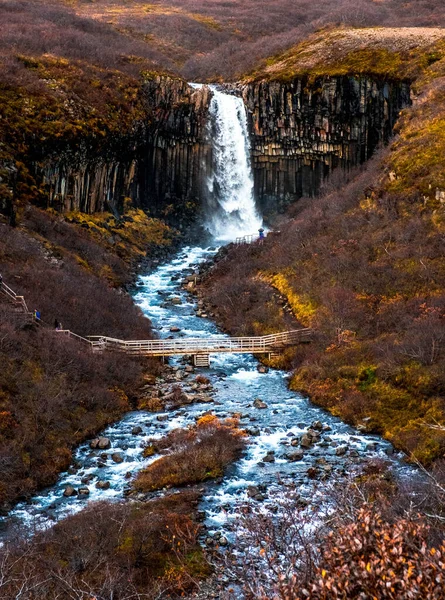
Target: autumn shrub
{"type": "Point", "coordinates": [373, 558]}
{"type": "Point", "coordinates": [110, 550]}
{"type": "Point", "coordinates": [196, 454]}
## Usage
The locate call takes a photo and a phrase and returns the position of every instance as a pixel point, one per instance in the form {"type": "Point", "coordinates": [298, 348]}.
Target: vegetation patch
{"type": "Point", "coordinates": [111, 550]}
{"type": "Point", "coordinates": [194, 455]}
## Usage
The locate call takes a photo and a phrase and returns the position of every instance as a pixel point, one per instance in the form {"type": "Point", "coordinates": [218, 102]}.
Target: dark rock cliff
{"type": "Point", "coordinates": [303, 129]}
{"type": "Point", "coordinates": [158, 164]}
{"type": "Point", "coordinates": [300, 131]}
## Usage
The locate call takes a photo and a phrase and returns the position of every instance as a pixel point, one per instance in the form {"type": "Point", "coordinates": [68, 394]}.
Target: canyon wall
{"type": "Point", "coordinates": [159, 164]}
{"type": "Point", "coordinates": [302, 129]}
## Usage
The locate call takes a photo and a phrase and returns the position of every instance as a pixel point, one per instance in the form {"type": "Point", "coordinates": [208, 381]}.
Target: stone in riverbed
{"type": "Point", "coordinates": [101, 443]}
{"type": "Point", "coordinates": [294, 456]}
{"type": "Point", "coordinates": [175, 329]}
{"type": "Point", "coordinates": [312, 473]}
{"type": "Point", "coordinates": [136, 430]}
{"type": "Point", "coordinates": [254, 431]}
{"type": "Point", "coordinates": [295, 442]}
{"type": "Point", "coordinates": [259, 403]}
{"type": "Point", "coordinates": [269, 458]}
{"type": "Point", "coordinates": [103, 485]}
{"type": "Point", "coordinates": [87, 479]}
{"type": "Point", "coordinates": [69, 491]}
{"type": "Point", "coordinates": [117, 458]}
{"type": "Point", "coordinates": [317, 425]}
{"type": "Point", "coordinates": [176, 300]}
{"type": "Point", "coordinates": [84, 492]}
{"type": "Point", "coordinates": [262, 369]}
{"type": "Point", "coordinates": [341, 450]}
{"type": "Point", "coordinates": [306, 441]}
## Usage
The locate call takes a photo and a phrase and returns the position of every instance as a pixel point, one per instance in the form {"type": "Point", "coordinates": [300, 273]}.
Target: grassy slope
{"type": "Point", "coordinates": [364, 266]}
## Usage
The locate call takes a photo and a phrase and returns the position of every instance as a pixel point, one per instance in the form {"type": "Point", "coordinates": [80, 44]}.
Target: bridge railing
{"type": "Point", "coordinates": [194, 345]}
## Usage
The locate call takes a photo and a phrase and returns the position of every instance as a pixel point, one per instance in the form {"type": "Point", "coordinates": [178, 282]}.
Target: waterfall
{"type": "Point", "coordinates": [231, 205]}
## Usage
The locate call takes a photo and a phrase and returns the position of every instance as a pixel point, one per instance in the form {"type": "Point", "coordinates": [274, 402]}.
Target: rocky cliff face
{"type": "Point", "coordinates": [158, 164]}
{"type": "Point", "coordinates": [300, 131]}
{"type": "Point", "coordinates": [303, 129]}
{"type": "Point", "coordinates": [175, 169]}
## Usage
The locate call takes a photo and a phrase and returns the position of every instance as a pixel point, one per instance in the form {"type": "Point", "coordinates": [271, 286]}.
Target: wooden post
{"type": "Point", "coordinates": [201, 360]}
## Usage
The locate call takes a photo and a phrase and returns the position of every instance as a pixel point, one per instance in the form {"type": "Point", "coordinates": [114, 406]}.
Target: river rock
{"type": "Point", "coordinates": [69, 491]}
{"type": "Point", "coordinates": [295, 441]}
{"type": "Point", "coordinates": [315, 435]}
{"type": "Point", "coordinates": [101, 443]}
{"type": "Point", "coordinates": [175, 329]}
{"type": "Point", "coordinates": [341, 450]}
{"type": "Point", "coordinates": [317, 425]}
{"type": "Point", "coordinates": [176, 300]}
{"type": "Point", "coordinates": [294, 456]}
{"type": "Point", "coordinates": [312, 472]}
{"type": "Point", "coordinates": [306, 441]}
{"type": "Point", "coordinates": [87, 479]}
{"type": "Point", "coordinates": [162, 418]}
{"type": "Point", "coordinates": [262, 369]}
{"type": "Point", "coordinates": [103, 485]}
{"type": "Point", "coordinates": [269, 458]}
{"type": "Point", "coordinates": [259, 403]}
{"type": "Point", "coordinates": [254, 431]}
{"type": "Point", "coordinates": [117, 458]}
{"type": "Point", "coordinates": [136, 430]}
{"type": "Point", "coordinates": [84, 492]}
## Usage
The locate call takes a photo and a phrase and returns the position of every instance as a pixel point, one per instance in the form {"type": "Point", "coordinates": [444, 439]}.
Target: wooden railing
{"type": "Point", "coordinates": [172, 347]}
{"type": "Point", "coordinates": [17, 300]}
{"type": "Point", "coordinates": [247, 239]}
{"type": "Point", "coordinates": [211, 345]}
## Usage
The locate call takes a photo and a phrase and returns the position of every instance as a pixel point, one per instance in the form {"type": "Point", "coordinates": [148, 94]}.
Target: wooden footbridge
{"type": "Point", "coordinates": [199, 348]}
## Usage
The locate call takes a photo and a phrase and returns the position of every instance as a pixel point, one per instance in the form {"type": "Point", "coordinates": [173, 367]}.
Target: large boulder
{"type": "Point", "coordinates": [103, 485]}
{"type": "Point", "coordinates": [296, 455]}
{"type": "Point", "coordinates": [306, 441]}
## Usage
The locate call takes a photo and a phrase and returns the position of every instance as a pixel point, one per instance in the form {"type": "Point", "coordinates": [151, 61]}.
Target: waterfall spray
{"type": "Point", "coordinates": [232, 210]}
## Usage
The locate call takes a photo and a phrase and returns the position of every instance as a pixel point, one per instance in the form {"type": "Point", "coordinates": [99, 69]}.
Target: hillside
{"type": "Point", "coordinates": [199, 40]}
{"type": "Point", "coordinates": [363, 266]}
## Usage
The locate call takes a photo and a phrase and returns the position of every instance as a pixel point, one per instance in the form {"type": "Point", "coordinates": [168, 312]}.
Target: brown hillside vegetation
{"type": "Point", "coordinates": [198, 39]}
{"type": "Point", "coordinates": [110, 550]}
{"type": "Point", "coordinates": [363, 265]}
{"type": "Point", "coordinates": [222, 40]}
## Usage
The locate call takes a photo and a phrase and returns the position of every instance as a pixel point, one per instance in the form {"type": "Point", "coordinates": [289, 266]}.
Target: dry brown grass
{"type": "Point", "coordinates": [195, 454]}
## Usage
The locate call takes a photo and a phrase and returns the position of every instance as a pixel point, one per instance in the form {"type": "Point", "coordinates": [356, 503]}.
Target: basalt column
{"type": "Point", "coordinates": [301, 130]}
{"type": "Point", "coordinates": [173, 175]}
